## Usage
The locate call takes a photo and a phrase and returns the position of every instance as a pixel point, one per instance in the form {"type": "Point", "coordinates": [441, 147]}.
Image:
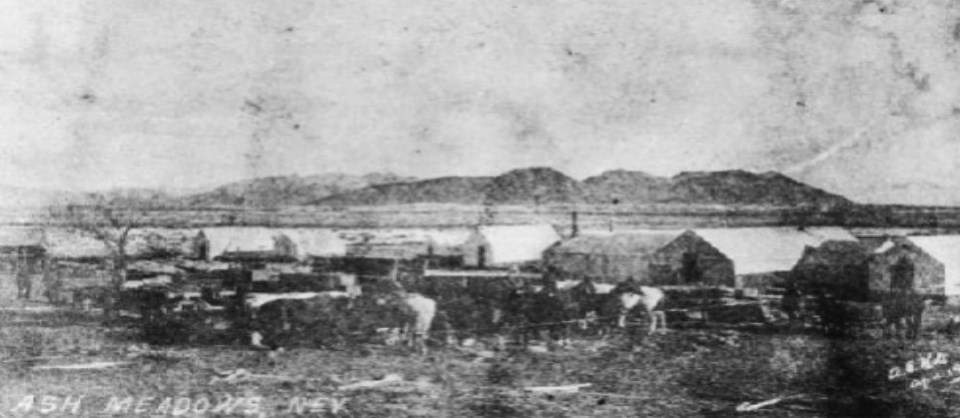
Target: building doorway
{"type": "Point", "coordinates": [902, 275]}
{"type": "Point", "coordinates": [690, 270]}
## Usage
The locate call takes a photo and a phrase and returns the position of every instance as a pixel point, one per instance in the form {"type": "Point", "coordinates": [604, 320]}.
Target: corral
{"type": "Point", "coordinates": [686, 372]}
{"type": "Point", "coordinates": [724, 352]}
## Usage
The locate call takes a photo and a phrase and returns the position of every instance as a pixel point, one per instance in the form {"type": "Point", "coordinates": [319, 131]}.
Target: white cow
{"type": "Point", "coordinates": [416, 330]}
{"type": "Point", "coordinates": [426, 310]}
{"type": "Point", "coordinates": [614, 302]}
{"type": "Point", "coordinates": [648, 297]}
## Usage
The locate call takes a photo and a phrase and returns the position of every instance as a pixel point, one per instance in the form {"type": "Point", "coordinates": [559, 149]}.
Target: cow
{"type": "Point", "coordinates": [418, 329]}
{"type": "Point", "coordinates": [86, 298]}
{"type": "Point", "coordinates": [952, 327]}
{"type": "Point", "coordinates": [594, 304]}
{"type": "Point", "coordinates": [629, 295]}
{"type": "Point", "coordinates": [277, 318]}
{"type": "Point", "coordinates": [53, 287]}
{"type": "Point", "coordinates": [467, 316]}
{"type": "Point", "coordinates": [330, 317]}
{"type": "Point", "coordinates": [154, 304]}
{"type": "Point", "coordinates": [846, 318]}
{"type": "Point", "coordinates": [399, 315]}
{"type": "Point", "coordinates": [903, 313]}
{"type": "Point", "coordinates": [551, 310]}
{"type": "Point", "coordinates": [531, 310]}
{"type": "Point", "coordinates": [792, 303]}
{"type": "Point", "coordinates": [24, 283]}
{"type": "Point", "coordinates": [610, 305]}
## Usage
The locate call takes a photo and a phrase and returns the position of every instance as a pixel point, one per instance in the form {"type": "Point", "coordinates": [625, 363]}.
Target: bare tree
{"type": "Point", "coordinates": [109, 225]}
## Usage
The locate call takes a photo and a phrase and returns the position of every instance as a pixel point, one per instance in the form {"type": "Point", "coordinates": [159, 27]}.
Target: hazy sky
{"type": "Point", "coordinates": [859, 97]}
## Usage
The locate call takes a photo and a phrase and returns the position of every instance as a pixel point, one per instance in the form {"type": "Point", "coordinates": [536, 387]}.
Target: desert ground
{"type": "Point", "coordinates": [65, 362]}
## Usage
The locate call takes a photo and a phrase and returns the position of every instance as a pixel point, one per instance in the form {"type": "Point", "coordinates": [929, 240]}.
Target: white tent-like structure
{"type": "Point", "coordinates": [315, 242]}
{"type": "Point", "coordinates": [946, 250]}
{"type": "Point", "coordinates": [764, 250]}
{"type": "Point", "coordinates": [306, 242]}
{"type": "Point", "coordinates": [69, 244]}
{"type": "Point", "coordinates": [20, 237]}
{"type": "Point", "coordinates": [505, 245]}
{"type": "Point", "coordinates": [246, 239]}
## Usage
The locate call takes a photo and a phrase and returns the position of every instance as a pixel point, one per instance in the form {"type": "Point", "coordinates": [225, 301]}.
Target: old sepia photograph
{"type": "Point", "coordinates": [479, 208]}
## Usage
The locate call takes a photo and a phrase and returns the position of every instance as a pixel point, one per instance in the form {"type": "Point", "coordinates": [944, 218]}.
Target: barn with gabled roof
{"type": "Point", "coordinates": [923, 264]}
{"type": "Point", "coordinates": [736, 257]}
{"type": "Point", "coordinates": [607, 257]}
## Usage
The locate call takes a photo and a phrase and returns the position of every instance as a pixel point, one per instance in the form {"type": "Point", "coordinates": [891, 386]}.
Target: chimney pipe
{"type": "Point", "coordinates": [574, 228]}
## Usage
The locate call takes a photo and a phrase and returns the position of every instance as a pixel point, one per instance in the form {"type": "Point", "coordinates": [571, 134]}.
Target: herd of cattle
{"type": "Point", "coordinates": [384, 309]}
{"type": "Point", "coordinates": [522, 310]}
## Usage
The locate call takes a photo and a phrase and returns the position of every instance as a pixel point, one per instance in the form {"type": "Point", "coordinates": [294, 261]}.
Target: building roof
{"type": "Point", "coordinates": [237, 239]}
{"type": "Point", "coordinates": [491, 274]}
{"type": "Point", "coordinates": [888, 244]}
{"type": "Point", "coordinates": [390, 240]}
{"type": "Point", "coordinates": [247, 241]}
{"type": "Point", "coordinates": [839, 253]}
{"type": "Point", "coordinates": [405, 243]}
{"type": "Point", "coordinates": [452, 237]}
{"type": "Point", "coordinates": [153, 267]}
{"type": "Point", "coordinates": [764, 250]}
{"type": "Point", "coordinates": [145, 240]}
{"type": "Point", "coordinates": [202, 266]}
{"type": "Point", "coordinates": [73, 244]}
{"type": "Point", "coordinates": [316, 242]}
{"type": "Point", "coordinates": [623, 243]}
{"type": "Point", "coordinates": [945, 249]}
{"type": "Point", "coordinates": [518, 243]}
{"type": "Point", "coordinates": [873, 242]}
{"type": "Point", "coordinates": [448, 237]}
{"type": "Point", "coordinates": [20, 237]}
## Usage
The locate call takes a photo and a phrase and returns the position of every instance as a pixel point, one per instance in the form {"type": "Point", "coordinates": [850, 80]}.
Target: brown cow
{"type": "Point", "coordinates": [332, 318]}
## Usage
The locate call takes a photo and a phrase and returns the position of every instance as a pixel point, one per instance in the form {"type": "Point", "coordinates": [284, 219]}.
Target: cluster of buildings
{"type": "Point", "coordinates": [744, 258]}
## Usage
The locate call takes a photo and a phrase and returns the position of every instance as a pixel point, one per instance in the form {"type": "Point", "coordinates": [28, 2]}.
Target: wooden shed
{"type": "Point", "coordinates": [21, 247]}
{"type": "Point", "coordinates": [840, 267]}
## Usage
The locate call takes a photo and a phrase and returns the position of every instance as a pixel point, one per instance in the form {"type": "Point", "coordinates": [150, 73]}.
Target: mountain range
{"type": "Point", "coordinates": [540, 185]}
{"type": "Point", "coordinates": [288, 190]}
{"type": "Point", "coordinates": [526, 186]}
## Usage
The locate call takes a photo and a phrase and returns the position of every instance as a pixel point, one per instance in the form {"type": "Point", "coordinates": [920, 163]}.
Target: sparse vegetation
{"type": "Point", "coordinates": [683, 373]}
